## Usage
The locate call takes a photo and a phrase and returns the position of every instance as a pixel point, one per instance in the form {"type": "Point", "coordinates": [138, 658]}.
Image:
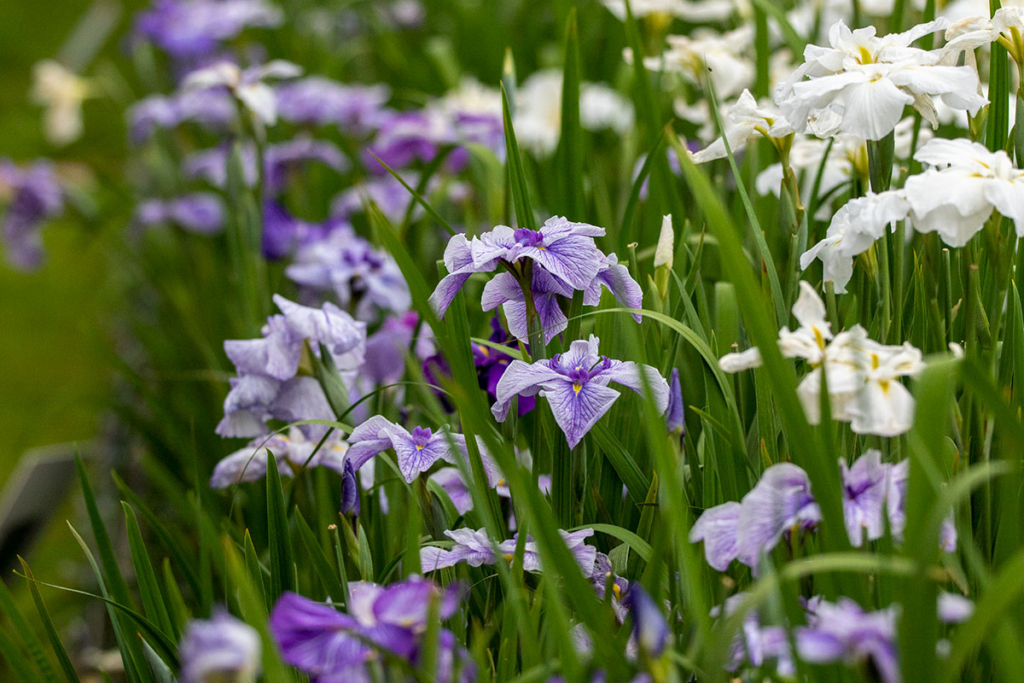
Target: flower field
{"type": "Point", "coordinates": [446, 341]}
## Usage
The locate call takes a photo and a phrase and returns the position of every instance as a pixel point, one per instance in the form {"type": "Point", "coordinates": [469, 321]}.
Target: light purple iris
{"type": "Point", "coordinates": [417, 451]}
{"type": "Point", "coordinates": [199, 212]}
{"type": "Point", "coordinates": [212, 109]}
{"type": "Point", "coordinates": [221, 648]}
{"type": "Point", "coordinates": [267, 385]}
{"type": "Point", "coordinates": [620, 587]}
{"type": "Point", "coordinates": [566, 250]}
{"type": "Point", "coordinates": [195, 28]}
{"type": "Point", "coordinates": [843, 631]}
{"type": "Point", "coordinates": [616, 279]}
{"type": "Point", "coordinates": [389, 195]}
{"type": "Point", "coordinates": [780, 501]}
{"type": "Point", "coordinates": [503, 290]}
{"type": "Point", "coordinates": [576, 386]}
{"type": "Point", "coordinates": [866, 485]}
{"type": "Point", "coordinates": [279, 160]}
{"type": "Point", "coordinates": [320, 101]}
{"type": "Point", "coordinates": [36, 197]}
{"type": "Point", "coordinates": [365, 280]}
{"type": "Point", "coordinates": [756, 645]}
{"type": "Point", "coordinates": [333, 646]}
{"type": "Point", "coordinates": [406, 137]}
{"type": "Point", "coordinates": [451, 481]}
{"type": "Point", "coordinates": [475, 548]}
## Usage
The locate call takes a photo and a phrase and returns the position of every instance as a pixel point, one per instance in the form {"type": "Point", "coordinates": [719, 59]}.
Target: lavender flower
{"type": "Point", "coordinates": [280, 159]}
{"type": "Point", "coordinates": [36, 196]}
{"type": "Point", "coordinates": [247, 86]}
{"type": "Point", "coordinates": [756, 644]}
{"type": "Point", "coordinates": [407, 137]}
{"type": "Point", "coordinates": [222, 649]}
{"type": "Point", "coordinates": [292, 453]}
{"type": "Point", "coordinates": [364, 279]}
{"type": "Point", "coordinates": [267, 385]}
{"type": "Point", "coordinates": [866, 486]}
{"type": "Point", "coordinates": [320, 101]}
{"type": "Point", "coordinates": [417, 451]}
{"type": "Point", "coordinates": [194, 28]}
{"type": "Point", "coordinates": [843, 631]}
{"type": "Point", "coordinates": [386, 192]}
{"type": "Point", "coordinates": [199, 212]}
{"type": "Point", "coordinates": [503, 290]}
{"type": "Point", "coordinates": [780, 501]}
{"type": "Point", "coordinates": [576, 386]}
{"type": "Point", "coordinates": [616, 278]}
{"type": "Point", "coordinates": [476, 549]}
{"type": "Point", "coordinates": [566, 250]}
{"type": "Point", "coordinates": [213, 110]}
{"type": "Point", "coordinates": [332, 646]}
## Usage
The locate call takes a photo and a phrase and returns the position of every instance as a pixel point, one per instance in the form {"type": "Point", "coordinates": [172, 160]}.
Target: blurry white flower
{"type": "Point", "coordinates": [538, 114]}
{"type": "Point", "coordinates": [883, 406]}
{"type": "Point", "coordinates": [719, 56]}
{"type": "Point", "coordinates": [691, 10]}
{"type": "Point", "coordinates": [853, 230]}
{"type": "Point", "coordinates": [965, 183]}
{"type": "Point", "coordinates": [247, 86]}
{"type": "Point", "coordinates": [61, 92]}
{"type": "Point", "coordinates": [744, 120]}
{"type": "Point", "coordinates": [862, 83]}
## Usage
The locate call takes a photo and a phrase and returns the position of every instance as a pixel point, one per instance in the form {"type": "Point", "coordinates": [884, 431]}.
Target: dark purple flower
{"type": "Point", "coordinates": [675, 415]}
{"type": "Point", "coordinates": [36, 196]}
{"type": "Point", "coordinates": [222, 648]}
{"type": "Point", "coordinates": [199, 212]}
{"type": "Point", "coordinates": [576, 386]}
{"type": "Point", "coordinates": [315, 100]}
{"type": "Point", "coordinates": [349, 491]}
{"type": "Point", "coordinates": [364, 279]}
{"type": "Point", "coordinates": [649, 626]}
{"type": "Point", "coordinates": [192, 28]}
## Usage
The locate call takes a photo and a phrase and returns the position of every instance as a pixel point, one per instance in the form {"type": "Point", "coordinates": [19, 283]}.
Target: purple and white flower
{"type": "Point", "coordinates": [576, 386]}
{"type": "Point", "coordinates": [199, 212]}
{"type": "Point", "coordinates": [35, 197]}
{"type": "Point", "coordinates": [221, 648]}
{"type": "Point", "coordinates": [195, 28]}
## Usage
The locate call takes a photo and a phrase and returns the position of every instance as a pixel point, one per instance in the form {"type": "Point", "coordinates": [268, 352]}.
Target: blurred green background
{"type": "Point", "coordinates": [57, 322]}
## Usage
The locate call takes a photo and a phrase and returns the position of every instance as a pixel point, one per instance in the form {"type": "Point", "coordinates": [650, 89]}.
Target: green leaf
{"type": "Point", "coordinates": [516, 174]}
{"type": "Point", "coordinates": [149, 586]}
{"type": "Point", "coordinates": [282, 567]}
{"type": "Point", "coordinates": [321, 564]}
{"type": "Point", "coordinates": [66, 666]}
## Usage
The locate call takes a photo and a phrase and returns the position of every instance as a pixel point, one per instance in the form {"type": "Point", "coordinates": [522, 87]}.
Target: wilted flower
{"type": "Point", "coordinates": [247, 86]}
{"type": "Point", "coordinates": [35, 197]}
{"type": "Point", "coordinates": [200, 212]}
{"type": "Point", "coordinates": [576, 386]}
{"type": "Point", "coordinates": [61, 92]}
{"type": "Point", "coordinates": [862, 83]}
{"type": "Point", "coordinates": [220, 649]}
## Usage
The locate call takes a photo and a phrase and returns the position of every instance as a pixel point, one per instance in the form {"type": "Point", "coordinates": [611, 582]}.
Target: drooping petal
{"type": "Point", "coordinates": [717, 527]}
{"type": "Point", "coordinates": [577, 408]}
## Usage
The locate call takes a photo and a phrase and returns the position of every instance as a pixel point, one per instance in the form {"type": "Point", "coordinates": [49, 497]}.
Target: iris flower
{"type": "Point", "coordinates": [248, 86]}
{"type": "Point", "coordinates": [221, 648]}
{"type": "Point", "coordinates": [576, 386]}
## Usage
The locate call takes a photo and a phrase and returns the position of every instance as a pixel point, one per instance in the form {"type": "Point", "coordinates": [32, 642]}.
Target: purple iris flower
{"type": "Point", "coordinates": [649, 626]}
{"type": "Point", "coordinates": [675, 417]}
{"type": "Point", "coordinates": [199, 212]}
{"type": "Point", "coordinates": [211, 164]}
{"type": "Point", "coordinates": [221, 648]}
{"type": "Point", "coordinates": [780, 501]}
{"type": "Point", "coordinates": [566, 250]}
{"type": "Point", "coordinates": [386, 349]}
{"type": "Point", "coordinates": [267, 385]}
{"type": "Point", "coordinates": [386, 192]}
{"type": "Point", "coordinates": [407, 137]}
{"type": "Point", "coordinates": [417, 451]}
{"type": "Point", "coordinates": [364, 279]}
{"type": "Point", "coordinates": [332, 646]}
{"type": "Point", "coordinates": [36, 196]}
{"type": "Point", "coordinates": [865, 486]}
{"type": "Point", "coordinates": [576, 386]}
{"type": "Point", "coordinates": [504, 290]}
{"type": "Point", "coordinates": [615, 278]}
{"type": "Point", "coordinates": [195, 28]}
{"type": "Point", "coordinates": [475, 548]}
{"type": "Point", "coordinates": [842, 631]}
{"type": "Point", "coordinates": [756, 645]}
{"type": "Point", "coordinates": [292, 452]}
{"type": "Point", "coordinates": [320, 101]}
{"type": "Point", "coordinates": [620, 586]}
{"type": "Point", "coordinates": [212, 109]}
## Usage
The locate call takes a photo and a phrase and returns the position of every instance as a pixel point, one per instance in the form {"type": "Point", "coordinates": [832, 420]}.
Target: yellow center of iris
{"type": "Point", "coordinates": [418, 447]}
{"type": "Point", "coordinates": [576, 388]}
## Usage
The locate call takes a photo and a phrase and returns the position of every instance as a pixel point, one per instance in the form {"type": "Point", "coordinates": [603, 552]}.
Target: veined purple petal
{"type": "Point", "coordinates": [577, 407]}
{"type": "Point", "coordinates": [519, 379]}
{"type": "Point", "coordinates": [718, 528]}
{"type": "Point", "coordinates": [675, 415]}
{"type": "Point", "coordinates": [780, 500]}
{"type": "Point", "coordinates": [619, 282]}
